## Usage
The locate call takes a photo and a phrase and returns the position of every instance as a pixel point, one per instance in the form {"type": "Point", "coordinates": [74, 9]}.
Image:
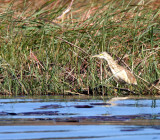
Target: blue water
{"type": "Point", "coordinates": [78, 132]}
{"type": "Point", "coordinates": [100, 132]}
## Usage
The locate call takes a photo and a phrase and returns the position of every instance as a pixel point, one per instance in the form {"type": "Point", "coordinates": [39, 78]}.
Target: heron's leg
{"type": "Point", "coordinates": [116, 82]}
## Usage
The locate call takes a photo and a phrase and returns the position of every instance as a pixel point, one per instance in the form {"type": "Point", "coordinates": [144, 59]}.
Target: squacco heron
{"type": "Point", "coordinates": [120, 73]}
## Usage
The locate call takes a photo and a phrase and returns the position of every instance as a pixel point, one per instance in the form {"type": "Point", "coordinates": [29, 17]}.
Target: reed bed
{"type": "Point", "coordinates": [47, 48]}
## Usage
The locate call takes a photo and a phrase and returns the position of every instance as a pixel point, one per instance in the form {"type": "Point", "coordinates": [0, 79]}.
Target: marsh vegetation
{"type": "Point", "coordinates": [43, 51]}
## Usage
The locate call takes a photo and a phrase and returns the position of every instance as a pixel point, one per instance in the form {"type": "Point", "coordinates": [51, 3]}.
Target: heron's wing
{"type": "Point", "coordinates": [132, 79]}
{"type": "Point", "coordinates": [123, 76]}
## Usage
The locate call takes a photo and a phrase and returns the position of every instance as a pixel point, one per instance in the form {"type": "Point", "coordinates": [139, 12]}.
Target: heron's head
{"type": "Point", "coordinates": [102, 55]}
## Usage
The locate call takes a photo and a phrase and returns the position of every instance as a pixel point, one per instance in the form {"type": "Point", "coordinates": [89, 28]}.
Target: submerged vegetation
{"type": "Point", "coordinates": [44, 51]}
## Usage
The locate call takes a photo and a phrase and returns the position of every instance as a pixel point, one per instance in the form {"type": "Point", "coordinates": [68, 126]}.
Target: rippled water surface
{"type": "Point", "coordinates": [118, 118]}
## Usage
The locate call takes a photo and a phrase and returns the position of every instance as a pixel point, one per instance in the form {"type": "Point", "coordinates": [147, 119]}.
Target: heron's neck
{"type": "Point", "coordinates": [112, 64]}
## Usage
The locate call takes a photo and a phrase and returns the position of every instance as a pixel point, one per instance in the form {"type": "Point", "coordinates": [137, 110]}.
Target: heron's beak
{"type": "Point", "coordinates": [97, 55]}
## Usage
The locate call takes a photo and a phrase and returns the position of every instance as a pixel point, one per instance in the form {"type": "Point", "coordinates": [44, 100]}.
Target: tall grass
{"type": "Point", "coordinates": [62, 48]}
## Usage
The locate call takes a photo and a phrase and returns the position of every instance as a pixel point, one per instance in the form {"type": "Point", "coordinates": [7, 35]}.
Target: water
{"type": "Point", "coordinates": [119, 119]}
